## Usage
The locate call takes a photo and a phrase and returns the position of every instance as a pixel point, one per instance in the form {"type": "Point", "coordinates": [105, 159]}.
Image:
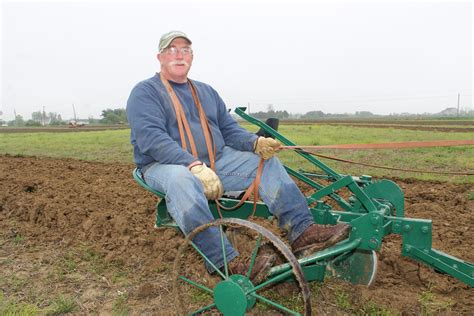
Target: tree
{"type": "Point", "coordinates": [363, 113]}
{"type": "Point", "coordinates": [18, 121]}
{"type": "Point", "coordinates": [313, 115]}
{"type": "Point", "coordinates": [115, 116]}
{"type": "Point", "coordinates": [37, 116]}
{"type": "Point", "coordinates": [32, 123]}
{"type": "Point", "coordinates": [55, 118]}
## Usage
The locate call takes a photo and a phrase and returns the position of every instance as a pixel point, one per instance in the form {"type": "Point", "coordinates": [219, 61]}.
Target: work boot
{"type": "Point", "coordinates": [262, 265]}
{"type": "Point", "coordinates": [317, 237]}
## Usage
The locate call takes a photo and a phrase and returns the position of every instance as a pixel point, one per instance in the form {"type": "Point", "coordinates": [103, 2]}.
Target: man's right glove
{"type": "Point", "coordinates": [266, 147]}
{"type": "Point", "coordinates": [213, 188]}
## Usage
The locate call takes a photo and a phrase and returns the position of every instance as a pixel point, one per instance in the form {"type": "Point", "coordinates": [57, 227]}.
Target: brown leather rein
{"type": "Point", "coordinates": [393, 145]}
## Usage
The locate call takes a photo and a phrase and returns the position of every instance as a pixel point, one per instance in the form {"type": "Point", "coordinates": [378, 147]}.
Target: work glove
{"type": "Point", "coordinates": [213, 188]}
{"type": "Point", "coordinates": [266, 147]}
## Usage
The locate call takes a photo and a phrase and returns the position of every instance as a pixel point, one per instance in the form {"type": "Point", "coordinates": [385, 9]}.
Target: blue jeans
{"type": "Point", "coordinates": [188, 206]}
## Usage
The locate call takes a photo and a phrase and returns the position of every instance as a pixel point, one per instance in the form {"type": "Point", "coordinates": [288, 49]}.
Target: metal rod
{"type": "Point", "coordinates": [276, 279]}
{"type": "Point", "coordinates": [199, 311]}
{"type": "Point", "coordinates": [226, 269]}
{"type": "Point", "coordinates": [254, 255]}
{"type": "Point", "coordinates": [202, 287]}
{"type": "Point", "coordinates": [283, 308]}
{"type": "Point", "coordinates": [207, 259]}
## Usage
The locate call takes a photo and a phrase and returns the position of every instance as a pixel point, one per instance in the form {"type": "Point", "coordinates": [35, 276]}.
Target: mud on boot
{"type": "Point", "coordinates": [260, 269]}
{"type": "Point", "coordinates": [317, 237]}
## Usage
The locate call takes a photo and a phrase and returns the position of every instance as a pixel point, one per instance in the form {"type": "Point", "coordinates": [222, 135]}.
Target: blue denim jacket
{"type": "Point", "coordinates": [154, 130]}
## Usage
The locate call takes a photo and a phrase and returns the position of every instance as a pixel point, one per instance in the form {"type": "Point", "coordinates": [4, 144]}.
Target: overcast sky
{"type": "Point", "coordinates": [384, 57]}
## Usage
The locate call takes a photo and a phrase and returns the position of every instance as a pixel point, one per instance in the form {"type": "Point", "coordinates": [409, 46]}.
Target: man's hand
{"type": "Point", "coordinates": [213, 188]}
{"type": "Point", "coordinates": [266, 147]}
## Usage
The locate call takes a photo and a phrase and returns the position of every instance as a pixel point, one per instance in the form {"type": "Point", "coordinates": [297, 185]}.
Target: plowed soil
{"type": "Point", "coordinates": [85, 230]}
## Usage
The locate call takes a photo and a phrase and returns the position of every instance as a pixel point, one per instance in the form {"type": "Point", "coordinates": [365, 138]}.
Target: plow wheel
{"type": "Point", "coordinates": [198, 292]}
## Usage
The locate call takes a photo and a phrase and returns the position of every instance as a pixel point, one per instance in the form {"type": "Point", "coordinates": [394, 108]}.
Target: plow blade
{"type": "Point", "coordinates": [440, 261]}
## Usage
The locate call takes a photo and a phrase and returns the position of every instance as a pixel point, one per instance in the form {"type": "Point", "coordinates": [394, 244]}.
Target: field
{"type": "Point", "coordinates": [77, 232]}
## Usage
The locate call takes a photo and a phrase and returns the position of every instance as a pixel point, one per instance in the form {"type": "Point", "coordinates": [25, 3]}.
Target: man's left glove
{"type": "Point", "coordinates": [213, 188]}
{"type": "Point", "coordinates": [266, 147]}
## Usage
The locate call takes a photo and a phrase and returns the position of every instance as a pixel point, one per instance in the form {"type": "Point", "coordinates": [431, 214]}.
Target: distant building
{"type": "Point", "coordinates": [78, 123]}
{"type": "Point", "coordinates": [448, 112]}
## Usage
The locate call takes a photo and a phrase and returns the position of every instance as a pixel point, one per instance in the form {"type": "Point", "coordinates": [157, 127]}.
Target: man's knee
{"type": "Point", "coordinates": [183, 180]}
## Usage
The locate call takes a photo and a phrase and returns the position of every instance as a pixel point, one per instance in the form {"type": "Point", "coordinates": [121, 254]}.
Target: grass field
{"type": "Point", "coordinates": [77, 239]}
{"type": "Point", "coordinates": [114, 145]}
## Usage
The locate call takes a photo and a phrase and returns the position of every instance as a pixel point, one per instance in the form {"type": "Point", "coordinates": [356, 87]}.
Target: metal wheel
{"type": "Point", "coordinates": [196, 291]}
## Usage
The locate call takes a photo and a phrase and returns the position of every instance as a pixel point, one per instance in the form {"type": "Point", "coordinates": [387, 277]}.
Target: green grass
{"type": "Point", "coordinates": [114, 146]}
{"type": "Point", "coordinates": [450, 159]}
{"type": "Point", "coordinates": [95, 261]}
{"type": "Point", "coordinates": [111, 145]}
{"type": "Point", "coordinates": [319, 134]}
{"type": "Point", "coordinates": [68, 263]}
{"type": "Point", "coordinates": [119, 306]}
{"type": "Point", "coordinates": [293, 301]}
{"type": "Point", "coordinates": [62, 305]}
{"type": "Point", "coordinates": [372, 309]}
{"type": "Point", "coordinates": [431, 305]}
{"type": "Point", "coordinates": [11, 307]}
{"type": "Point", "coordinates": [471, 195]}
{"type": "Point", "coordinates": [343, 300]}
{"type": "Point", "coordinates": [18, 239]}
{"type": "Point", "coordinates": [59, 306]}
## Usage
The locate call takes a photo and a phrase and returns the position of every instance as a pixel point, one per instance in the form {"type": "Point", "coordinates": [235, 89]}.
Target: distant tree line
{"type": "Point", "coordinates": [38, 119]}
{"type": "Point", "coordinates": [109, 116]}
{"type": "Point", "coordinates": [311, 115]}
{"type": "Point", "coordinates": [317, 115]}
{"type": "Point", "coordinates": [119, 116]}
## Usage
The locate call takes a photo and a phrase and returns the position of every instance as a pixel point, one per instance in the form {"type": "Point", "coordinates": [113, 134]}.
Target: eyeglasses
{"type": "Point", "coordinates": [183, 50]}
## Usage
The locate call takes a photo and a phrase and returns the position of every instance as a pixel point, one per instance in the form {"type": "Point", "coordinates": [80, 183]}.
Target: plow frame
{"type": "Point", "coordinates": [374, 209]}
{"type": "Point", "coordinates": [372, 219]}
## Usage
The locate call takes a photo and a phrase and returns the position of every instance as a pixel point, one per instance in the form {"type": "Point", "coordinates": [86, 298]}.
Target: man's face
{"type": "Point", "coordinates": [176, 60]}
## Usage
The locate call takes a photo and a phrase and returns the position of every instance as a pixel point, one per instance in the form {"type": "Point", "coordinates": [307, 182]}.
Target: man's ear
{"type": "Point", "coordinates": [158, 56]}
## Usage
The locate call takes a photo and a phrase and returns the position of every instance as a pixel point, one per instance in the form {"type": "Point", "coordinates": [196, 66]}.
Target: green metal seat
{"type": "Point", "coordinates": [163, 218]}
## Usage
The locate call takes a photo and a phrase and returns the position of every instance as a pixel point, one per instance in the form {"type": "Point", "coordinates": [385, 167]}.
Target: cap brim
{"type": "Point", "coordinates": [168, 41]}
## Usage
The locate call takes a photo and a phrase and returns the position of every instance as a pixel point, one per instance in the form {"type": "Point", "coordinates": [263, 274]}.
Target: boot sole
{"type": "Point", "coordinates": [262, 274]}
{"type": "Point", "coordinates": [310, 249]}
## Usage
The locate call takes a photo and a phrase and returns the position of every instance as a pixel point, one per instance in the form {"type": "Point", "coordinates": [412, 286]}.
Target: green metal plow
{"type": "Point", "coordinates": [374, 209]}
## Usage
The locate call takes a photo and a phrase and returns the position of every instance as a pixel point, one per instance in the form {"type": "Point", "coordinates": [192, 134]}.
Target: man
{"type": "Point", "coordinates": [188, 146]}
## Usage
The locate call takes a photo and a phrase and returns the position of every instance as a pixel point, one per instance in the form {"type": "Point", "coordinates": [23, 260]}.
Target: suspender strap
{"type": "Point", "coordinates": [180, 118]}
{"type": "Point", "coordinates": [205, 126]}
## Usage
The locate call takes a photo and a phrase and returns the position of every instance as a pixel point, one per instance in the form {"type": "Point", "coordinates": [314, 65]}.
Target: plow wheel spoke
{"type": "Point", "coordinates": [197, 291]}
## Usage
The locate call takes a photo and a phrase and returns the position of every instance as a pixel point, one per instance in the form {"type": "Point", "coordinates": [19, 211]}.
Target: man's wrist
{"type": "Point", "coordinates": [256, 143]}
{"type": "Point", "coordinates": [194, 164]}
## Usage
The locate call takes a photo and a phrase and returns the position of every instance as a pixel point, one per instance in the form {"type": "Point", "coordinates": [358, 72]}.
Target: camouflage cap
{"type": "Point", "coordinates": [167, 38]}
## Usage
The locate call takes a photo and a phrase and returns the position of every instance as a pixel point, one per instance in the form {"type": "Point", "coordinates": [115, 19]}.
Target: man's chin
{"type": "Point", "coordinates": [179, 77]}
{"type": "Point", "coordinates": [181, 71]}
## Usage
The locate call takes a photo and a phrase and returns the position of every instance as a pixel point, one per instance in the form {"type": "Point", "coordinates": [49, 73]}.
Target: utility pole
{"type": "Point", "coordinates": [459, 96]}
{"type": "Point", "coordinates": [74, 110]}
{"type": "Point", "coordinates": [44, 116]}
{"type": "Point", "coordinates": [14, 113]}
{"type": "Point", "coordinates": [248, 107]}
